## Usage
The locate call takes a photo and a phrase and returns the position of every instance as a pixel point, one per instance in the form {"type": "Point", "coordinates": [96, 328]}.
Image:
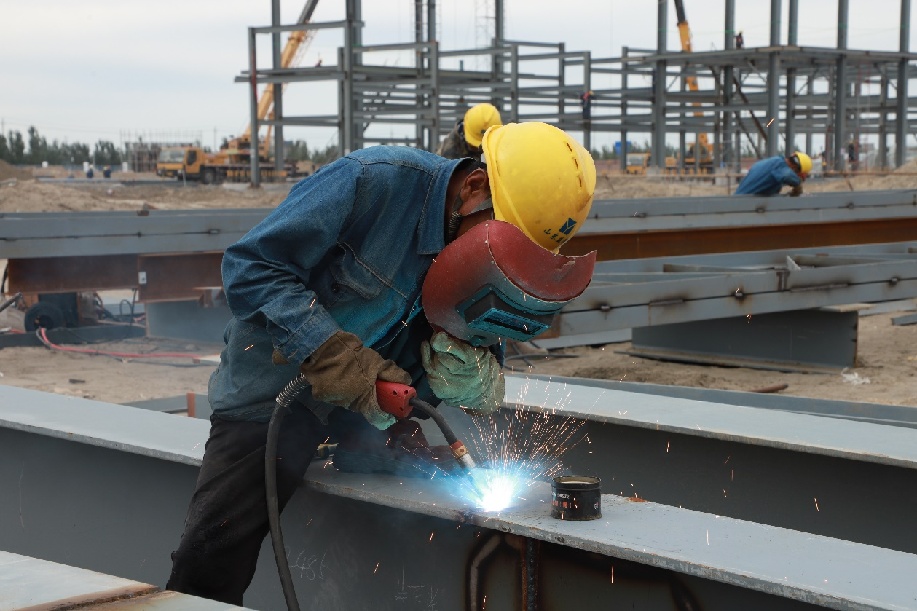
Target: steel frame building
{"type": "Point", "coordinates": [769, 97]}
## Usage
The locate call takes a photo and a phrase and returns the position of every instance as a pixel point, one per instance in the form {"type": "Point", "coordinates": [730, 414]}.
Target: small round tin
{"type": "Point", "coordinates": [576, 497]}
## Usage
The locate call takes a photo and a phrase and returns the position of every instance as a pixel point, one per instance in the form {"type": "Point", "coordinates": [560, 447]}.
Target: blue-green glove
{"type": "Point", "coordinates": [463, 375]}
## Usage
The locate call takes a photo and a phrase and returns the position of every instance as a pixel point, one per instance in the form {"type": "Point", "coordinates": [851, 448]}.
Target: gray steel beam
{"type": "Point", "coordinates": [805, 472]}
{"type": "Point", "coordinates": [75, 465]}
{"type": "Point", "coordinates": [810, 340]}
{"type": "Point", "coordinates": [854, 411]}
{"type": "Point", "coordinates": [35, 235]}
{"type": "Point", "coordinates": [643, 293]}
{"type": "Point", "coordinates": [29, 584]}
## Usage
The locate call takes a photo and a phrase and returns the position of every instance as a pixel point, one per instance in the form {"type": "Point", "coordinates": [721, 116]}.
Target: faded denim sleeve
{"type": "Point", "coordinates": [787, 176]}
{"type": "Point", "coordinates": [266, 273]}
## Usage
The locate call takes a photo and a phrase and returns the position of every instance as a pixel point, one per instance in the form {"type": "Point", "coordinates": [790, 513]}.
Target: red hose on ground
{"type": "Point", "coordinates": [40, 332]}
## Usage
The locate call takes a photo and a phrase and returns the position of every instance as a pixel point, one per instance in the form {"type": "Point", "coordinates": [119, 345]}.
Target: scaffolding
{"type": "Point", "coordinates": [765, 98]}
{"type": "Point", "coordinates": [141, 149]}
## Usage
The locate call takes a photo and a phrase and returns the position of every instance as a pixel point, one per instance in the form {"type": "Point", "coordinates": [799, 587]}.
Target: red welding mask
{"type": "Point", "coordinates": [493, 282]}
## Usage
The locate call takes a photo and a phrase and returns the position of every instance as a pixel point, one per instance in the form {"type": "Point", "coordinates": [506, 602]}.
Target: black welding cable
{"type": "Point", "coordinates": [437, 417]}
{"type": "Point", "coordinates": [284, 401]}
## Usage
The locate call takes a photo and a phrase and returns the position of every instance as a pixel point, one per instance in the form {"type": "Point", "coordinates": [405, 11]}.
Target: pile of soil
{"type": "Point", "coordinates": [9, 172]}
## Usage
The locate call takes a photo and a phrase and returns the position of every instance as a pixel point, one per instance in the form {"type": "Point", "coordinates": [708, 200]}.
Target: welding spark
{"type": "Point", "coordinates": [376, 569]}
{"type": "Point", "coordinates": [431, 536]}
{"type": "Point", "coordinates": [769, 122]}
{"type": "Point", "coordinates": [816, 505]}
{"type": "Point", "coordinates": [514, 449]}
{"type": "Point", "coordinates": [250, 347]}
{"type": "Point", "coordinates": [667, 445]}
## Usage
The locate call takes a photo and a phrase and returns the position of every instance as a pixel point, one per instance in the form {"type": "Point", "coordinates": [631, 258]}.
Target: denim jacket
{"type": "Point", "coordinates": [347, 249]}
{"type": "Point", "coordinates": [767, 177]}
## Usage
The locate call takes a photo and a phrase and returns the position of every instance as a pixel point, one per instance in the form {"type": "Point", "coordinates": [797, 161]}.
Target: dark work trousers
{"type": "Point", "coordinates": [227, 517]}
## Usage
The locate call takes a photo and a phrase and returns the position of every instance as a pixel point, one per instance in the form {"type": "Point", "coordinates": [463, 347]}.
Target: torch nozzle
{"type": "Point", "coordinates": [467, 462]}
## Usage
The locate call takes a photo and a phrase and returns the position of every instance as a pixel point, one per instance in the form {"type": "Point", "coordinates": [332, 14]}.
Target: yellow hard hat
{"type": "Point", "coordinates": [804, 161]}
{"type": "Point", "coordinates": [541, 180]}
{"type": "Point", "coordinates": [477, 120]}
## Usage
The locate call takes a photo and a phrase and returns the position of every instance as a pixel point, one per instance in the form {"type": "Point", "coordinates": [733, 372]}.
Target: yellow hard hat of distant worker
{"type": "Point", "coordinates": [804, 162]}
{"type": "Point", "coordinates": [541, 180]}
{"type": "Point", "coordinates": [477, 120]}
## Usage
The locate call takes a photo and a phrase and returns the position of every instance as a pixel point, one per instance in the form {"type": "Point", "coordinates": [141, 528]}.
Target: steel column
{"type": "Point", "coordinates": [790, 119]}
{"type": "Point", "coordinates": [659, 102]}
{"type": "Point", "coordinates": [901, 125]}
{"type": "Point", "coordinates": [773, 82]}
{"type": "Point", "coordinates": [253, 101]}
{"type": "Point", "coordinates": [625, 51]}
{"type": "Point", "coordinates": [731, 155]}
{"type": "Point", "coordinates": [279, 161]}
{"type": "Point", "coordinates": [840, 85]}
{"type": "Point", "coordinates": [349, 138]}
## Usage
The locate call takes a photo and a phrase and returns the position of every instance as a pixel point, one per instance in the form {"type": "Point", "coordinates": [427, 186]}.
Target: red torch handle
{"type": "Point", "coordinates": [395, 398]}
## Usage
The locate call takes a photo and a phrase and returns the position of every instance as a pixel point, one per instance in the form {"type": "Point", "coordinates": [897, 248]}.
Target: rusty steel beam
{"type": "Point", "coordinates": [72, 274]}
{"type": "Point", "coordinates": [158, 277]}
{"type": "Point", "coordinates": [711, 240]}
{"type": "Point", "coordinates": [178, 276]}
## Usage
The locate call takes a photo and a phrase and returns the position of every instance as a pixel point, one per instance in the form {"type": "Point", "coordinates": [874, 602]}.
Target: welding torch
{"type": "Point", "coordinates": [399, 399]}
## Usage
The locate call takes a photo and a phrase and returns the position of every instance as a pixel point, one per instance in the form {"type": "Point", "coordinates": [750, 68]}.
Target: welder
{"type": "Point", "coordinates": [769, 176]}
{"type": "Point", "coordinates": [465, 138]}
{"type": "Point", "coordinates": [328, 286]}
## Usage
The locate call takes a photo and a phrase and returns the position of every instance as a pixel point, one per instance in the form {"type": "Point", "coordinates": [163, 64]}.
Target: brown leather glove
{"type": "Point", "coordinates": [796, 191]}
{"type": "Point", "coordinates": [343, 372]}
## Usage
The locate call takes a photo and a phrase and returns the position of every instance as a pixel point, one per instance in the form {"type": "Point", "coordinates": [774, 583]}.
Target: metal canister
{"type": "Point", "coordinates": [576, 497]}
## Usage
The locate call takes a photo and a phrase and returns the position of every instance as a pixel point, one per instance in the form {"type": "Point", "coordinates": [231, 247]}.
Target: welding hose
{"type": "Point", "coordinates": [458, 448]}
{"type": "Point", "coordinates": [284, 401]}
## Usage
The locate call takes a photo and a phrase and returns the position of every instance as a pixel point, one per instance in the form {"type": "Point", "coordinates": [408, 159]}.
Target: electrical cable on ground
{"type": "Point", "coordinates": [43, 338]}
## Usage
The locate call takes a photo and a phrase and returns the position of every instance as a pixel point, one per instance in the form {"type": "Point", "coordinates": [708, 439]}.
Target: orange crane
{"type": "Point", "coordinates": [703, 144]}
{"type": "Point", "coordinates": [297, 43]}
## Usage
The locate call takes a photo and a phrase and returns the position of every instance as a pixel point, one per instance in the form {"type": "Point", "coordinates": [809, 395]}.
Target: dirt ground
{"type": "Point", "coordinates": [886, 362]}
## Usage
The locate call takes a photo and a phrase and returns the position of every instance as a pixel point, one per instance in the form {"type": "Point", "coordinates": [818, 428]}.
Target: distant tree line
{"type": "Point", "coordinates": [35, 149]}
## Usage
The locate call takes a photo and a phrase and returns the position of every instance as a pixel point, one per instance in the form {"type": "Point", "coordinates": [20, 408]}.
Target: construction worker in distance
{"type": "Point", "coordinates": [768, 176]}
{"type": "Point", "coordinates": [327, 286]}
{"type": "Point", "coordinates": [465, 138]}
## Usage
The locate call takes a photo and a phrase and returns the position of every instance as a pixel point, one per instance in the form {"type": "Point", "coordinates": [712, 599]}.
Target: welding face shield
{"type": "Point", "coordinates": [493, 282]}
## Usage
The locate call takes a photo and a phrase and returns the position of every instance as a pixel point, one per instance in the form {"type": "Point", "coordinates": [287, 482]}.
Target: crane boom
{"type": "Point", "coordinates": [684, 32]}
{"type": "Point", "coordinates": [296, 44]}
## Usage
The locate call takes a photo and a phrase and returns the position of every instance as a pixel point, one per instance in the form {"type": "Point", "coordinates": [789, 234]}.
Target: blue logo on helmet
{"type": "Point", "coordinates": [567, 227]}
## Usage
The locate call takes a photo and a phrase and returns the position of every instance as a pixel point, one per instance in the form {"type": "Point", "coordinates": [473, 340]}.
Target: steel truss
{"type": "Point", "coordinates": [767, 97]}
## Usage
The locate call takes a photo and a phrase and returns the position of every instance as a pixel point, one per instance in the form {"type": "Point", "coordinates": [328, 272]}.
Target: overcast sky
{"type": "Point", "coordinates": [112, 70]}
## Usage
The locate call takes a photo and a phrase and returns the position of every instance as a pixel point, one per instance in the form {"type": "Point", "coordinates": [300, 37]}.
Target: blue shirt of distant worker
{"type": "Point", "coordinates": [770, 175]}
